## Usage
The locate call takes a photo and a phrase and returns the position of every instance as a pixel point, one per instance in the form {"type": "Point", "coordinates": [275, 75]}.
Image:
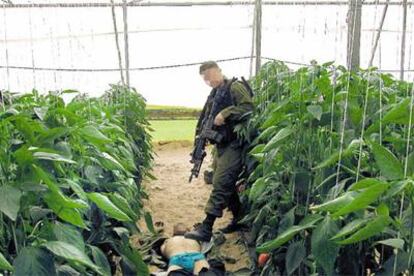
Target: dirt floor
{"type": "Point", "coordinates": [173, 199]}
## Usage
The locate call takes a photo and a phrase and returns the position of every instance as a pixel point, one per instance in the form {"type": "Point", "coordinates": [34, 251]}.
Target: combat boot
{"type": "Point", "coordinates": [202, 233]}
{"type": "Point", "coordinates": [235, 208]}
{"type": "Point", "coordinates": [233, 226]}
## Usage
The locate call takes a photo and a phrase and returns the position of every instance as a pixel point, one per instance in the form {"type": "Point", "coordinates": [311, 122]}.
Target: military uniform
{"type": "Point", "coordinates": [232, 99]}
{"type": "Point", "coordinates": [228, 157]}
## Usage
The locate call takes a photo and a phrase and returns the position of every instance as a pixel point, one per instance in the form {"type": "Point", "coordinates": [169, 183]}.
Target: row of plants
{"type": "Point", "coordinates": [70, 182]}
{"type": "Point", "coordinates": [331, 171]}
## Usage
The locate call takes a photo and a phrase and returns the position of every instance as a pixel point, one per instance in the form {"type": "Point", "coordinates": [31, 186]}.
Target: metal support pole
{"type": "Point", "coordinates": [253, 44]}
{"type": "Point", "coordinates": [118, 48]}
{"type": "Point", "coordinates": [190, 4]}
{"type": "Point", "coordinates": [125, 14]}
{"type": "Point", "coordinates": [404, 31]}
{"type": "Point", "coordinates": [258, 14]}
{"type": "Point", "coordinates": [6, 49]}
{"type": "Point", "coordinates": [354, 34]}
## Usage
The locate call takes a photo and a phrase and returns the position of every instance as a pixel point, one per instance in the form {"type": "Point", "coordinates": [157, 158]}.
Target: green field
{"type": "Point", "coordinates": [163, 112]}
{"type": "Point", "coordinates": [170, 107]}
{"type": "Point", "coordinates": [173, 130]}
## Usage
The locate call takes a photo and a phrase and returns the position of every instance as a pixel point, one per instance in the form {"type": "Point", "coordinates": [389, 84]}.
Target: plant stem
{"type": "Point", "coordinates": [34, 229]}
{"type": "Point", "coordinates": [410, 259]}
{"type": "Point", "coordinates": [16, 246]}
{"type": "Point", "coordinates": [1, 227]}
{"type": "Point", "coordinates": [24, 233]}
{"type": "Point", "coordinates": [399, 232]}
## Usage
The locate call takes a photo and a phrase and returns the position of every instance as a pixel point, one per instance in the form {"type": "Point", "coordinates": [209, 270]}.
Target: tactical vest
{"type": "Point", "coordinates": [225, 100]}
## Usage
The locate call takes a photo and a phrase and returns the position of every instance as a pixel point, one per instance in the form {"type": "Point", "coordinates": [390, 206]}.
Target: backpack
{"type": "Point", "coordinates": [247, 86]}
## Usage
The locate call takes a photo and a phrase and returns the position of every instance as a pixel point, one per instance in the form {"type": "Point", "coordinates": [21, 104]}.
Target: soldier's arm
{"type": "Point", "coordinates": [242, 103]}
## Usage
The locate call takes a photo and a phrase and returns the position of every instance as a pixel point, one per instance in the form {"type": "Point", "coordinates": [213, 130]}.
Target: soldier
{"type": "Point", "coordinates": [228, 157]}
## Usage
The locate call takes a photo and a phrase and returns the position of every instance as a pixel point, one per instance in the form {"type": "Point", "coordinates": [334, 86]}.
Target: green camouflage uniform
{"type": "Point", "coordinates": [228, 157]}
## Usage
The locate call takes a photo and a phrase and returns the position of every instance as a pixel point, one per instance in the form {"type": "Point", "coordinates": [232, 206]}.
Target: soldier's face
{"type": "Point", "coordinates": [213, 77]}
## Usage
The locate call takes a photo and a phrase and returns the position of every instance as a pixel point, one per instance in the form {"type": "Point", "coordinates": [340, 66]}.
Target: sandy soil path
{"type": "Point", "coordinates": [173, 199]}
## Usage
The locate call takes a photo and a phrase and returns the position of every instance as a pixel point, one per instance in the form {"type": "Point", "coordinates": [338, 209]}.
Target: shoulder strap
{"type": "Point", "coordinates": [248, 87]}
{"type": "Point", "coordinates": [229, 84]}
{"type": "Point", "coordinates": [228, 88]}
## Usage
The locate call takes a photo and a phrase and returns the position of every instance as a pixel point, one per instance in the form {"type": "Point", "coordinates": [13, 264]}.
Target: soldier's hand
{"type": "Point", "coordinates": [219, 120]}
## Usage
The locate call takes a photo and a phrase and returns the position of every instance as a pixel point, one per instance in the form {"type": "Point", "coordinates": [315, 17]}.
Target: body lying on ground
{"type": "Point", "coordinates": [182, 253]}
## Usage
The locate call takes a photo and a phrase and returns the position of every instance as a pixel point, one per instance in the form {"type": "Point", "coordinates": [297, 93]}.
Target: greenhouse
{"type": "Point", "coordinates": [253, 137]}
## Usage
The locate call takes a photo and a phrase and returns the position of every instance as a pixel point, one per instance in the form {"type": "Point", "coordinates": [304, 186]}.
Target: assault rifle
{"type": "Point", "coordinates": [206, 131]}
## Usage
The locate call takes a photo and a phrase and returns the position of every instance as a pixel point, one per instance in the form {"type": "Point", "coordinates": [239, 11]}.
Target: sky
{"type": "Point", "coordinates": [83, 38]}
